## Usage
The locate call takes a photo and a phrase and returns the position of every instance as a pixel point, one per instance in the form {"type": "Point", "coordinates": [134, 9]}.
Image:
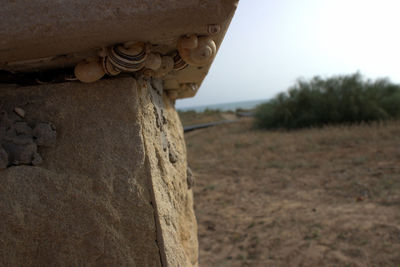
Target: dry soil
{"type": "Point", "coordinates": [314, 197]}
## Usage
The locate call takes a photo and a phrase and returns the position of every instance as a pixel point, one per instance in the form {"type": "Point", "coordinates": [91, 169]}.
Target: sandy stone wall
{"type": "Point", "coordinates": [111, 191]}
{"type": "Point", "coordinates": [168, 165]}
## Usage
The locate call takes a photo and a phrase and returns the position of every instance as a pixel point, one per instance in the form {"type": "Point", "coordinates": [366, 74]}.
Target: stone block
{"type": "Point", "coordinates": [106, 192]}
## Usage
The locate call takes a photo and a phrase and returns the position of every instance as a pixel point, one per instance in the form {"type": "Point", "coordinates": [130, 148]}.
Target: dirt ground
{"type": "Point", "coordinates": [192, 118]}
{"type": "Point", "coordinates": [314, 197]}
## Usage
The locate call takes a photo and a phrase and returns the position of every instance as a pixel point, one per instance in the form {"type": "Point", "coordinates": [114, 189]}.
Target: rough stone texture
{"type": "Point", "coordinates": [19, 141]}
{"type": "Point", "coordinates": [3, 158]}
{"type": "Point", "coordinates": [37, 29]}
{"type": "Point", "coordinates": [174, 202]}
{"type": "Point", "coordinates": [45, 134]}
{"type": "Point", "coordinates": [49, 35]}
{"type": "Point", "coordinates": [106, 194]}
{"type": "Point", "coordinates": [190, 178]}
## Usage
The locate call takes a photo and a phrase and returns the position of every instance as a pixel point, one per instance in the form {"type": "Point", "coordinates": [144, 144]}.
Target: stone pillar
{"type": "Point", "coordinates": [111, 191]}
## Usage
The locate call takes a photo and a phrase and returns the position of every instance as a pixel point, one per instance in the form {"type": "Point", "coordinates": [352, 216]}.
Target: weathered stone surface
{"type": "Point", "coordinates": [174, 202]}
{"type": "Point", "coordinates": [21, 150]}
{"type": "Point", "coordinates": [3, 158]}
{"type": "Point", "coordinates": [190, 178]}
{"type": "Point", "coordinates": [22, 127]}
{"type": "Point", "coordinates": [106, 194]}
{"type": "Point", "coordinates": [39, 29]}
{"type": "Point", "coordinates": [19, 141]}
{"type": "Point", "coordinates": [43, 41]}
{"type": "Point", "coordinates": [45, 134]}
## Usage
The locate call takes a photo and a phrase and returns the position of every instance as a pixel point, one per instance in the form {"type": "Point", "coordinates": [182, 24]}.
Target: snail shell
{"type": "Point", "coordinates": [179, 63]}
{"type": "Point", "coordinates": [167, 64]}
{"type": "Point", "coordinates": [147, 72]}
{"type": "Point", "coordinates": [89, 70]}
{"type": "Point", "coordinates": [189, 41]}
{"type": "Point", "coordinates": [129, 59]}
{"type": "Point", "coordinates": [109, 68]}
{"type": "Point", "coordinates": [202, 55]}
{"type": "Point", "coordinates": [153, 61]}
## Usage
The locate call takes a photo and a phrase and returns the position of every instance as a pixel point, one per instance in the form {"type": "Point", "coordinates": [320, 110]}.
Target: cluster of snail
{"type": "Point", "coordinates": [132, 57]}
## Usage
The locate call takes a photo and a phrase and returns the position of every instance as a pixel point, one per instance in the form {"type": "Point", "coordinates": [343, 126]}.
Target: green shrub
{"type": "Point", "coordinates": [336, 100]}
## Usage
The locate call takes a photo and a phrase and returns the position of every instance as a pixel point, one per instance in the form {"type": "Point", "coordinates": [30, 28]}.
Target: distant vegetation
{"type": "Point", "coordinates": [336, 100]}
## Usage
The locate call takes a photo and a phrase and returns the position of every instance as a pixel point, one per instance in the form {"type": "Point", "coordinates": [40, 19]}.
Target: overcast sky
{"type": "Point", "coordinates": [271, 43]}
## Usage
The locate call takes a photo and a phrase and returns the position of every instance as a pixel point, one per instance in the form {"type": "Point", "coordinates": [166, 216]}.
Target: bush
{"type": "Point", "coordinates": [336, 100]}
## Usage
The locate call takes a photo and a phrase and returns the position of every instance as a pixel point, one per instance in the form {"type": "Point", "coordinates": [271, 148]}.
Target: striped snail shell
{"type": "Point", "coordinates": [201, 55]}
{"type": "Point", "coordinates": [179, 63]}
{"type": "Point", "coordinates": [167, 64]}
{"type": "Point", "coordinates": [128, 58]}
{"type": "Point", "coordinates": [109, 68]}
{"type": "Point", "coordinates": [89, 70]}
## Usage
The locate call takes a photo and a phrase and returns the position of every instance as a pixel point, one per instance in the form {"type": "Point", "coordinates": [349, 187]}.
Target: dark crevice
{"type": "Point", "coordinates": [37, 77]}
{"type": "Point", "coordinates": [45, 77]}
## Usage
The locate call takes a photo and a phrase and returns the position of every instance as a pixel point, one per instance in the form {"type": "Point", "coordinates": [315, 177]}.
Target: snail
{"type": "Point", "coordinates": [167, 64]}
{"type": "Point", "coordinates": [179, 63]}
{"type": "Point", "coordinates": [157, 66]}
{"type": "Point", "coordinates": [89, 70]}
{"type": "Point", "coordinates": [109, 68]}
{"type": "Point", "coordinates": [188, 41]}
{"type": "Point", "coordinates": [202, 54]}
{"type": "Point", "coordinates": [147, 72]}
{"type": "Point", "coordinates": [136, 56]}
{"type": "Point", "coordinates": [129, 58]}
{"type": "Point", "coordinates": [153, 61]}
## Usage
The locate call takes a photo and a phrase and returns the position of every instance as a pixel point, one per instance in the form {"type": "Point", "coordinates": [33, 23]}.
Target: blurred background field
{"type": "Point", "coordinates": [313, 179]}
{"type": "Point", "coordinates": [320, 196]}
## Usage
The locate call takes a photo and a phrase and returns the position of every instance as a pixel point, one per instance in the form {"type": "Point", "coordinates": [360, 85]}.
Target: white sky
{"type": "Point", "coordinates": [271, 43]}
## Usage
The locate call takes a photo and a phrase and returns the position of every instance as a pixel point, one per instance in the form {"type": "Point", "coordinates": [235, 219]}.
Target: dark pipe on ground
{"type": "Point", "coordinates": [205, 125]}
